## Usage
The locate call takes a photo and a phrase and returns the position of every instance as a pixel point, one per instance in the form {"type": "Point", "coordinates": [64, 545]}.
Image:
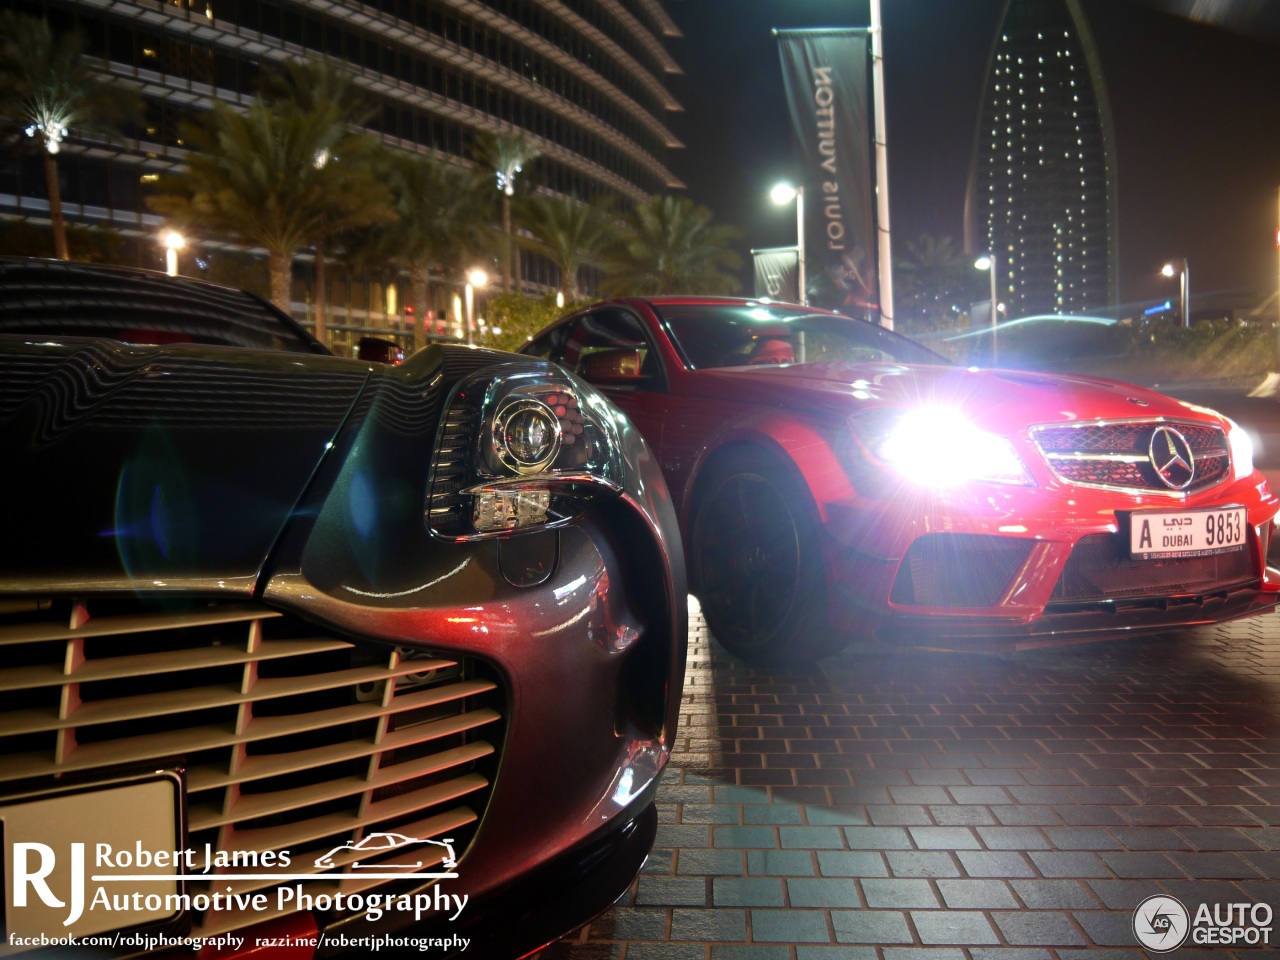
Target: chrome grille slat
{"type": "Point", "coordinates": [281, 801]}
{"type": "Point", "coordinates": [290, 739]}
{"type": "Point", "coordinates": [256, 768]}
{"type": "Point", "coordinates": [1113, 455]}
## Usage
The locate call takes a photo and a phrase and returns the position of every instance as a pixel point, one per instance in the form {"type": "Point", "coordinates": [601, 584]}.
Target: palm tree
{"type": "Point", "coordinates": [937, 281]}
{"type": "Point", "coordinates": [670, 246]}
{"type": "Point", "coordinates": [312, 86]}
{"type": "Point", "coordinates": [278, 176]}
{"type": "Point", "coordinates": [438, 209]}
{"type": "Point", "coordinates": [567, 233]}
{"type": "Point", "coordinates": [506, 155]}
{"type": "Point", "coordinates": [46, 88]}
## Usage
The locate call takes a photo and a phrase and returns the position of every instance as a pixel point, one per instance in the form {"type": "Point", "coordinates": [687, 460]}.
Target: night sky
{"type": "Point", "coordinates": [1196, 112]}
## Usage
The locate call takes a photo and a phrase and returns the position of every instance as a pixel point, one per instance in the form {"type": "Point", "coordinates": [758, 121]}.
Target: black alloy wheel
{"type": "Point", "coordinates": [757, 566]}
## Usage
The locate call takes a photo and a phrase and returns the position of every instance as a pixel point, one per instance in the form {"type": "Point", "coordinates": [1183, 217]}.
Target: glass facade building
{"type": "Point", "coordinates": [584, 79]}
{"type": "Point", "coordinates": [1042, 184]}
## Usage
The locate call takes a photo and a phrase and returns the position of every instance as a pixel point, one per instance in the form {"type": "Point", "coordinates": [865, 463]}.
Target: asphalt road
{"type": "Point", "coordinates": [929, 806]}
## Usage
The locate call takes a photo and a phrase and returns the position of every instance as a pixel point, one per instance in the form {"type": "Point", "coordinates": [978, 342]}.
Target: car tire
{"type": "Point", "coordinates": [756, 563]}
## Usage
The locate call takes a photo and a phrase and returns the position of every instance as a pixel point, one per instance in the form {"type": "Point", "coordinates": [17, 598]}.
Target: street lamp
{"type": "Point", "coordinates": [172, 241]}
{"type": "Point", "coordinates": [988, 262]}
{"type": "Point", "coordinates": [784, 193]}
{"type": "Point", "coordinates": [1184, 287]}
{"type": "Point", "coordinates": [475, 280]}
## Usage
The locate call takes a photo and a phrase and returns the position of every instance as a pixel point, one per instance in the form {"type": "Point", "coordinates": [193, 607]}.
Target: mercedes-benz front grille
{"type": "Point", "coordinates": [1120, 455]}
{"type": "Point", "coordinates": [291, 738]}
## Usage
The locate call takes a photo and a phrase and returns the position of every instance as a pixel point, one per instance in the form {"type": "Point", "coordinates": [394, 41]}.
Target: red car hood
{"type": "Point", "coordinates": [998, 400]}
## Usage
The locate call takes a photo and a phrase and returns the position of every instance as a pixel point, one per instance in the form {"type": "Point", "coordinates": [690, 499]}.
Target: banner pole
{"type": "Point", "coordinates": [882, 168]}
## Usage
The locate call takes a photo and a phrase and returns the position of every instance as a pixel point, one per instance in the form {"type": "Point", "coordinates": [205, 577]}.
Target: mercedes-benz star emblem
{"type": "Point", "coordinates": [1171, 458]}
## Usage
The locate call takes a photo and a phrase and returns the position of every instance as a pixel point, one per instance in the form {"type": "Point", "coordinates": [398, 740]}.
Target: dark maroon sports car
{"type": "Point", "coordinates": [320, 646]}
{"type": "Point", "coordinates": [836, 481]}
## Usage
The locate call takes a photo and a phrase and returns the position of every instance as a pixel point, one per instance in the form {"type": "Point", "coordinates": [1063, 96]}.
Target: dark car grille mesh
{"type": "Point", "coordinates": [1099, 568]}
{"type": "Point", "coordinates": [958, 570]}
{"type": "Point", "coordinates": [1116, 454]}
{"type": "Point", "coordinates": [291, 739]}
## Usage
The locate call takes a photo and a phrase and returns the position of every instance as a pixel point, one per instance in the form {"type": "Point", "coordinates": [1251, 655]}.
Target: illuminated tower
{"type": "Point", "coordinates": [1042, 185]}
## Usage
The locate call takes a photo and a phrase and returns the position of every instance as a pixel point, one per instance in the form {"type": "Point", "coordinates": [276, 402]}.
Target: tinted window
{"type": "Point", "coordinates": [74, 299]}
{"type": "Point", "coordinates": [743, 334]}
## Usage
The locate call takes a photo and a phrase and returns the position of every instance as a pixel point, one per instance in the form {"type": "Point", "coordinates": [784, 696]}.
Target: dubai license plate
{"type": "Point", "coordinates": [1186, 533]}
{"type": "Point", "coordinates": [52, 868]}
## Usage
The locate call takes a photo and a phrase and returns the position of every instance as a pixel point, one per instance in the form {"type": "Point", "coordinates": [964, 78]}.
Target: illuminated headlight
{"type": "Point", "coordinates": [523, 450]}
{"type": "Point", "coordinates": [1241, 446]}
{"type": "Point", "coordinates": [939, 448]}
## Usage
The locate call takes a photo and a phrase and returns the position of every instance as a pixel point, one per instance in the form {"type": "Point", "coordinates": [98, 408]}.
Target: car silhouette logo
{"type": "Point", "coordinates": [376, 844]}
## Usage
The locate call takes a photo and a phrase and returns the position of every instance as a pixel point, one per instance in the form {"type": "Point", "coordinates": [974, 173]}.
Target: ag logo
{"type": "Point", "coordinates": [1161, 923]}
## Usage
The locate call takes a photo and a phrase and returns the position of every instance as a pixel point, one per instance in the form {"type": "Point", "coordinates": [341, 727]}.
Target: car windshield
{"type": "Point", "coordinates": [51, 298]}
{"type": "Point", "coordinates": [744, 334]}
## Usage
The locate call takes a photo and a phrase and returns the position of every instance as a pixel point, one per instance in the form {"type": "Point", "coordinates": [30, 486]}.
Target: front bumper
{"type": "Point", "coordinates": [1025, 567]}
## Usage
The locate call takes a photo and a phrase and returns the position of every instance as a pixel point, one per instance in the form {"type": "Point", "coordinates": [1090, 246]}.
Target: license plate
{"type": "Point", "coordinates": [1186, 533]}
{"type": "Point", "coordinates": [52, 859]}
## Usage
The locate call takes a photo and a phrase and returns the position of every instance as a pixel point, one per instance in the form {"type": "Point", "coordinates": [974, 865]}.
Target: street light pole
{"type": "Point", "coordinates": [1184, 288]}
{"type": "Point", "coordinates": [988, 262]}
{"type": "Point", "coordinates": [882, 168]}
{"type": "Point", "coordinates": [785, 193]}
{"type": "Point", "coordinates": [173, 241]}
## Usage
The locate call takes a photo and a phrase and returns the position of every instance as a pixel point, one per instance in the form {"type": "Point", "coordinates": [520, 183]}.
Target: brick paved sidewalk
{"type": "Point", "coordinates": [929, 806]}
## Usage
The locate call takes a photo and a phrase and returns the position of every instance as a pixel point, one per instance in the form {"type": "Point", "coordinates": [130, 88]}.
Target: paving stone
{"type": "Point", "coordinates": [1013, 838]}
{"type": "Point", "coordinates": [708, 925]}
{"type": "Point", "coordinates": [913, 863]}
{"type": "Point", "coordinates": [1054, 864]}
{"type": "Point", "coordinates": [944, 838]}
{"type": "Point", "coordinates": [671, 891]}
{"type": "Point", "coordinates": [976, 895]}
{"type": "Point", "coordinates": [745, 837]}
{"type": "Point", "coordinates": [781, 863]}
{"type": "Point", "coordinates": [1120, 894]}
{"type": "Point", "coordinates": [1038, 928]}
{"type": "Point", "coordinates": [791, 926]}
{"type": "Point", "coordinates": [746, 892]}
{"type": "Point", "coordinates": [961, 815]}
{"type": "Point", "coordinates": [1108, 929]}
{"type": "Point", "coordinates": [823, 892]}
{"type": "Point", "coordinates": [871, 926]}
{"type": "Point", "coordinates": [877, 838]}
{"type": "Point", "coordinates": [856, 863]}
{"type": "Point", "coordinates": [984, 864]}
{"type": "Point", "coordinates": [1141, 865]}
{"type": "Point", "coordinates": [810, 838]}
{"type": "Point", "coordinates": [898, 893]}
{"type": "Point", "coordinates": [709, 862]}
{"type": "Point", "coordinates": [967, 927]}
{"type": "Point", "coordinates": [1053, 894]}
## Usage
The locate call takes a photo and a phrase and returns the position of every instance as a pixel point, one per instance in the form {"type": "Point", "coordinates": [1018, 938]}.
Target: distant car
{"type": "Point", "coordinates": [836, 481]}
{"type": "Point", "coordinates": [265, 605]}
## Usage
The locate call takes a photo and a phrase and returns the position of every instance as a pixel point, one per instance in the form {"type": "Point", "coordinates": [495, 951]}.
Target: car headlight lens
{"type": "Point", "coordinates": [1241, 446]}
{"type": "Point", "coordinates": [936, 447]}
{"type": "Point", "coordinates": [519, 451]}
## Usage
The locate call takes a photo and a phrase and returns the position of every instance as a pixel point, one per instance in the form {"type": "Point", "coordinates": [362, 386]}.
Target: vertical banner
{"type": "Point", "coordinates": [777, 274]}
{"type": "Point", "coordinates": [826, 79]}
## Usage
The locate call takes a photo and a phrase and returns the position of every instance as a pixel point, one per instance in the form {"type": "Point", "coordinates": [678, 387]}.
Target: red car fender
{"type": "Point", "coordinates": [805, 448]}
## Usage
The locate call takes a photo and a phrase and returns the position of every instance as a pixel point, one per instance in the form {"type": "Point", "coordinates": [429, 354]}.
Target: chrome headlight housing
{"type": "Point", "coordinates": [935, 446]}
{"type": "Point", "coordinates": [520, 450]}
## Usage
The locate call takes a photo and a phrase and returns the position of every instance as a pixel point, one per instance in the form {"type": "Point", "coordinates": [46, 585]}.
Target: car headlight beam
{"type": "Point", "coordinates": [937, 447]}
{"type": "Point", "coordinates": [1240, 445]}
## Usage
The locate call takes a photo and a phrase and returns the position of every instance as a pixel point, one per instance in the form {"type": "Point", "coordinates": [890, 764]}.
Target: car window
{"type": "Point", "coordinates": [54, 298]}
{"type": "Point", "coordinates": [608, 347]}
{"type": "Point", "coordinates": [736, 335]}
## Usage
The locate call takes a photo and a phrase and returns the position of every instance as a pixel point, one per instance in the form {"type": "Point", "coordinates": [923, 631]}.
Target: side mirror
{"type": "Point", "coordinates": [377, 350]}
{"type": "Point", "coordinates": [616, 366]}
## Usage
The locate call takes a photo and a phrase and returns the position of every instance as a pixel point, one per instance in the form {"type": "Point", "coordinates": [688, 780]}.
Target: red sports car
{"type": "Point", "coordinates": [836, 481]}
